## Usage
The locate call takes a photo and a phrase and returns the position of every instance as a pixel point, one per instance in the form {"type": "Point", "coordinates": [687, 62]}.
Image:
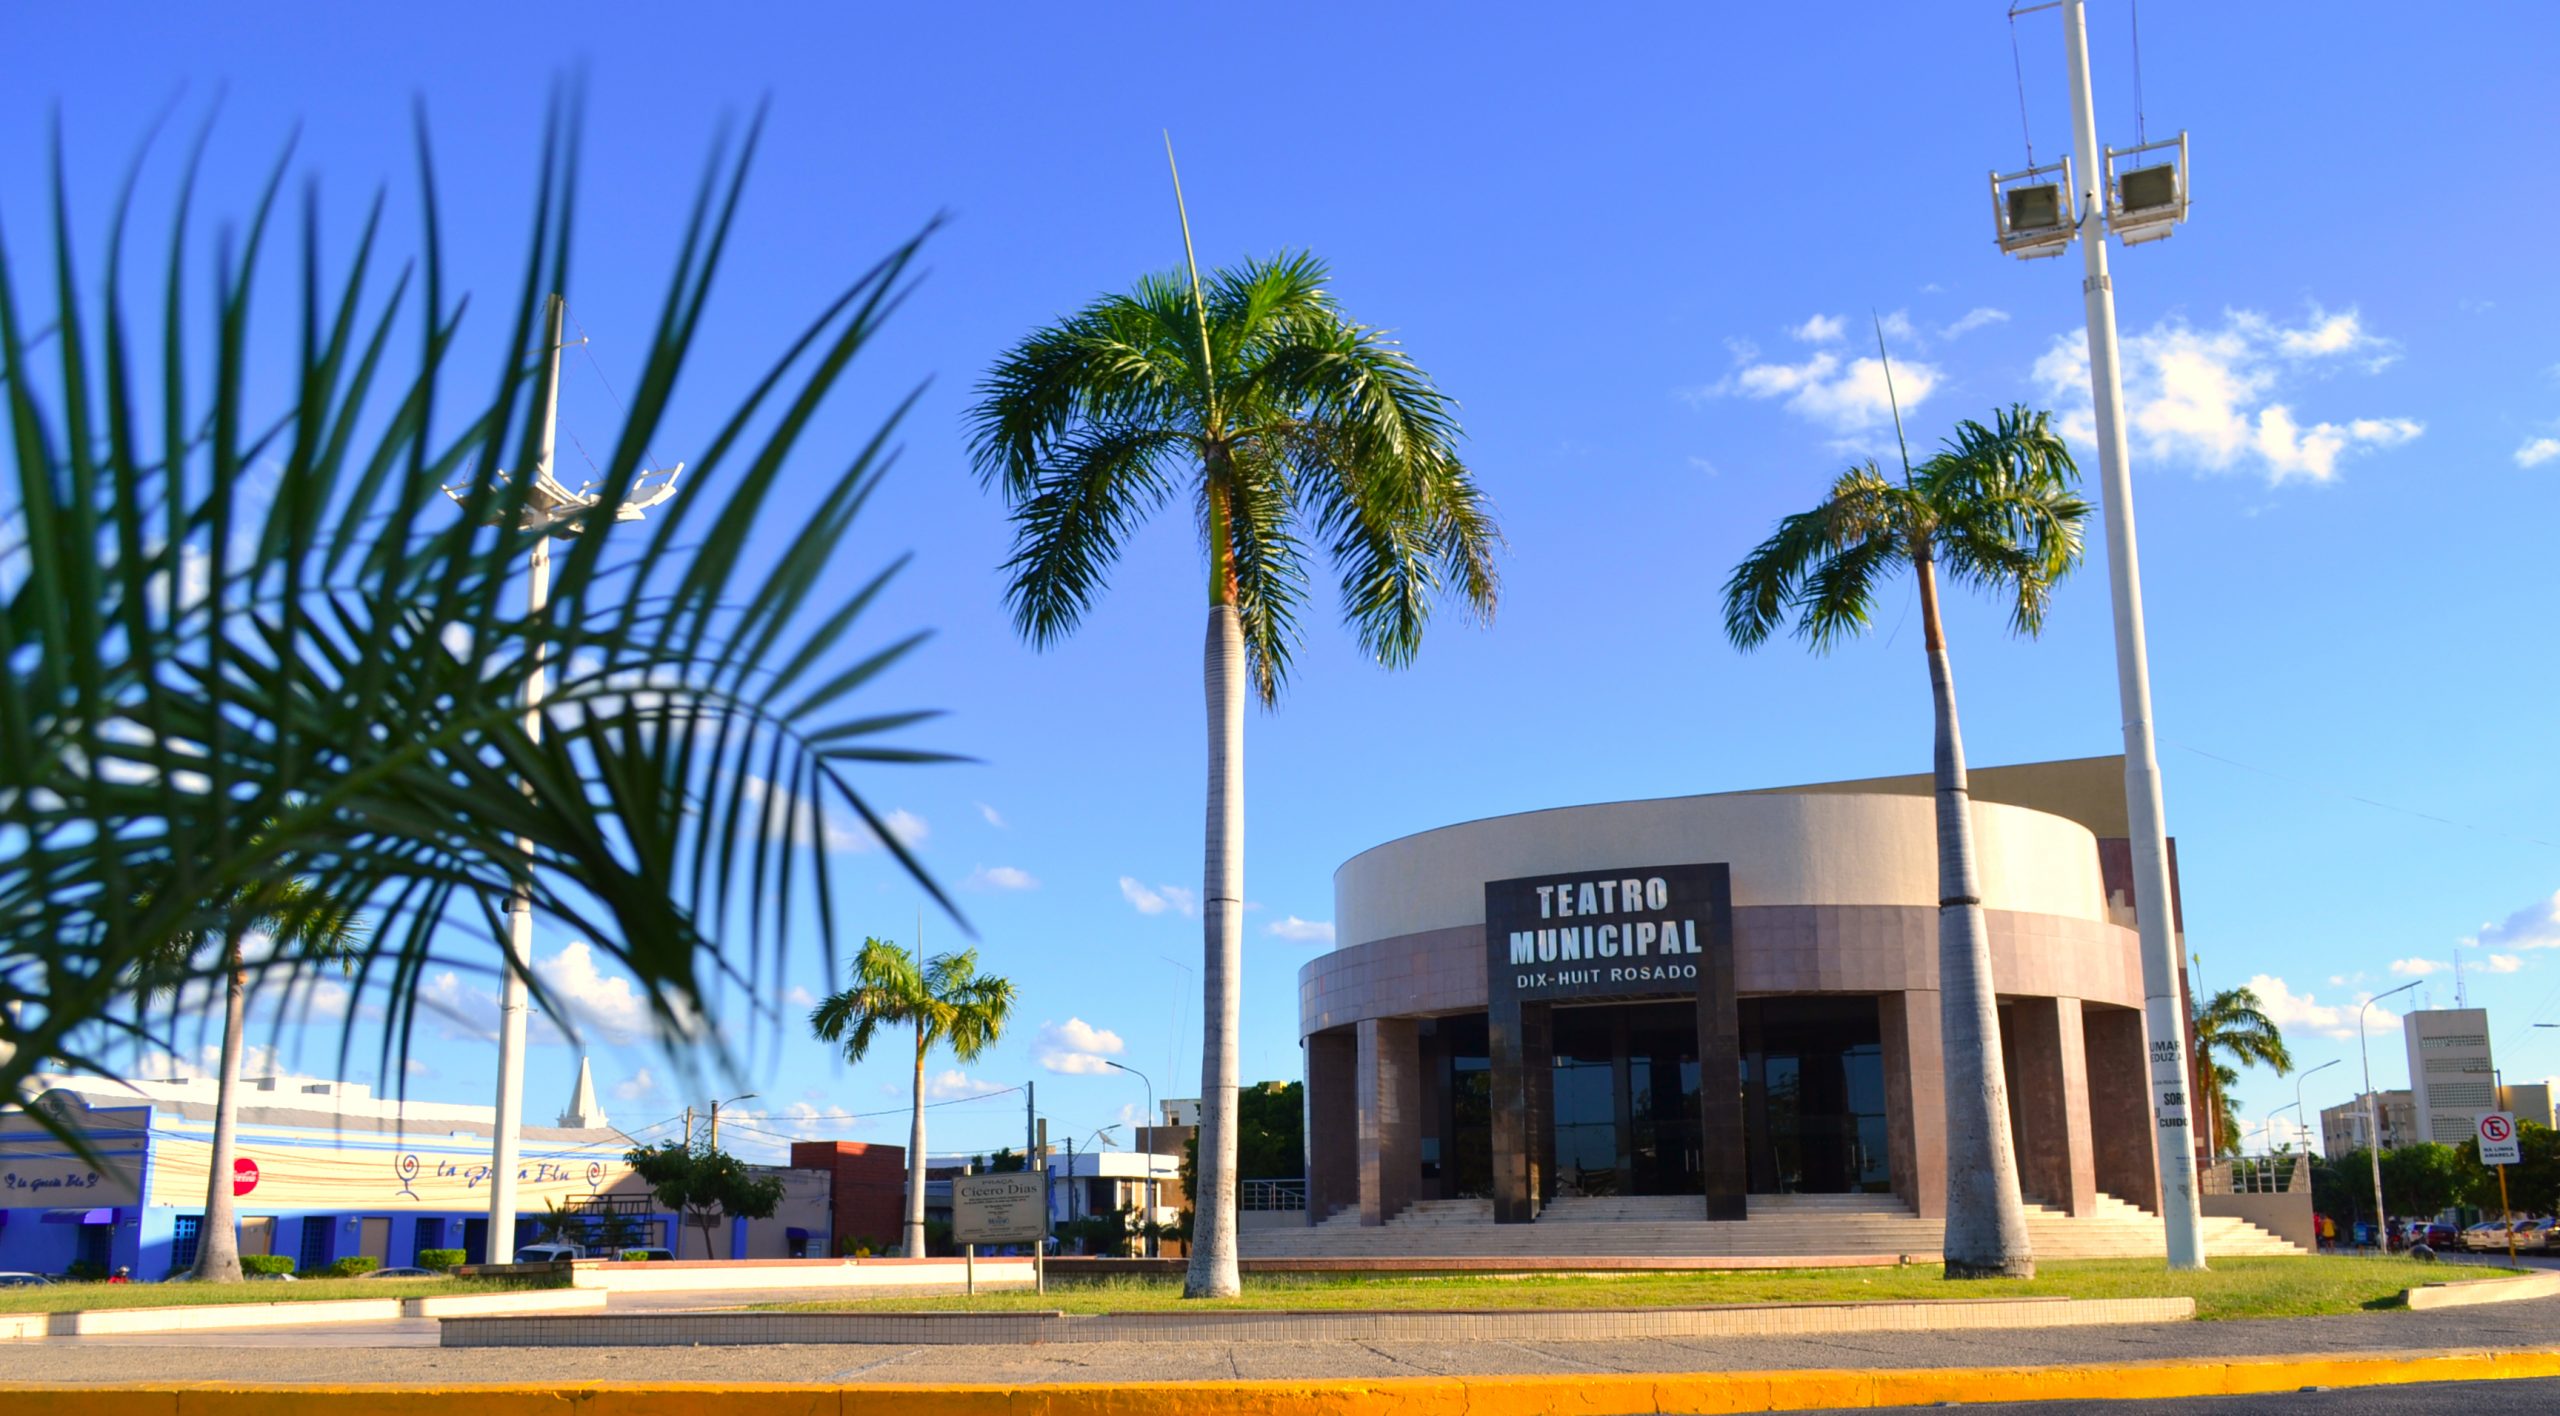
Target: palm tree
{"type": "Point", "coordinates": [1281, 422]}
{"type": "Point", "coordinates": [1995, 510]}
{"type": "Point", "coordinates": [944, 1000]}
{"type": "Point", "coordinates": [306, 928]}
{"type": "Point", "coordinates": [2233, 1025]}
{"type": "Point", "coordinates": [245, 640]}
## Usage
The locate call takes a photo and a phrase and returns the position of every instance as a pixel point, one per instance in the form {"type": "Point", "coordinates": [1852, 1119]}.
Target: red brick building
{"type": "Point", "coordinates": [867, 1188]}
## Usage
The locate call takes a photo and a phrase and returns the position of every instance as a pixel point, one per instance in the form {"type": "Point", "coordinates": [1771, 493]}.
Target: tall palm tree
{"type": "Point", "coordinates": [2233, 1027]}
{"type": "Point", "coordinates": [945, 999]}
{"type": "Point", "coordinates": [244, 640]}
{"type": "Point", "coordinates": [1994, 509]}
{"type": "Point", "coordinates": [306, 928]}
{"type": "Point", "coordinates": [1280, 421]}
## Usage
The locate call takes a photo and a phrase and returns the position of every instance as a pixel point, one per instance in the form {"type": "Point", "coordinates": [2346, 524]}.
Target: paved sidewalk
{"type": "Point", "coordinates": [2533, 1324]}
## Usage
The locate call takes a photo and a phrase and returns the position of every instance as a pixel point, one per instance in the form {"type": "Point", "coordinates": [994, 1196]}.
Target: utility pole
{"type": "Point", "coordinates": [553, 511]}
{"type": "Point", "coordinates": [512, 1005]}
{"type": "Point", "coordinates": [2174, 1139]}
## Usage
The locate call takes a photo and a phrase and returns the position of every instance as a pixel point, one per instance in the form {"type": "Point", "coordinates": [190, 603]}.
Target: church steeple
{"type": "Point", "coordinates": [585, 1113]}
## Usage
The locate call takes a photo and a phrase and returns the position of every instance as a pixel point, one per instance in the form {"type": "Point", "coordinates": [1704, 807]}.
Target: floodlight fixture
{"type": "Point", "coordinates": [2032, 214]}
{"type": "Point", "coordinates": [2146, 199]}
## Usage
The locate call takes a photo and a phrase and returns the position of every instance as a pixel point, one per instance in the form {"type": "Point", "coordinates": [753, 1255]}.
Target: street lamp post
{"type": "Point", "coordinates": [558, 512]}
{"type": "Point", "coordinates": [715, 1114]}
{"type": "Point", "coordinates": [2373, 1119]}
{"type": "Point", "coordinates": [2039, 219]}
{"type": "Point", "coordinates": [1150, 1152]}
{"type": "Point", "coordinates": [2301, 1117]}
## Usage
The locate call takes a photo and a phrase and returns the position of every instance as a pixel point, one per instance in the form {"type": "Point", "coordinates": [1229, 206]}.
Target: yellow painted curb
{"type": "Point", "coordinates": [1702, 1393]}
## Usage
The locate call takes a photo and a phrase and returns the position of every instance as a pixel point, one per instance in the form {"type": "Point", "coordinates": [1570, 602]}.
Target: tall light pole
{"type": "Point", "coordinates": [2301, 1117]}
{"type": "Point", "coordinates": [715, 1115]}
{"type": "Point", "coordinates": [1150, 1152]}
{"type": "Point", "coordinates": [557, 511]}
{"type": "Point", "coordinates": [2039, 220]}
{"type": "Point", "coordinates": [2373, 1119]}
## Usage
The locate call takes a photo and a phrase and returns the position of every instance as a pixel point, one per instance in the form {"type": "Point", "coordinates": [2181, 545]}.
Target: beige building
{"type": "Point", "coordinates": [2344, 1127]}
{"type": "Point", "coordinates": [1532, 1005]}
{"type": "Point", "coordinates": [2452, 1079]}
{"type": "Point", "coordinates": [2530, 1101]}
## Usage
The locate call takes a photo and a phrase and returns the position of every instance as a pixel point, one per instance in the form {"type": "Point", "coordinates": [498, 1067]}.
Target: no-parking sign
{"type": "Point", "coordinates": [2498, 1144]}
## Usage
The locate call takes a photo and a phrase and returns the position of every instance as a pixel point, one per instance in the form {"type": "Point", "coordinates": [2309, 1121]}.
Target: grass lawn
{"type": "Point", "coordinates": [72, 1297]}
{"type": "Point", "coordinates": [2233, 1288]}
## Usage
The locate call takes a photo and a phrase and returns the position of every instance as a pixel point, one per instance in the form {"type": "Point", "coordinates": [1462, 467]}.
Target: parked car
{"type": "Point", "coordinates": [2481, 1238]}
{"type": "Point", "coordinates": [2438, 1235]}
{"type": "Point", "coordinates": [24, 1280]}
{"type": "Point", "coordinates": [2534, 1234]}
{"type": "Point", "coordinates": [402, 1272]}
{"type": "Point", "coordinates": [549, 1253]}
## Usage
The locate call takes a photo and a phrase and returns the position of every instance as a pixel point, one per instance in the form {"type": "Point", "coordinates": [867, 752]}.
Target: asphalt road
{"type": "Point", "coordinates": [377, 1353]}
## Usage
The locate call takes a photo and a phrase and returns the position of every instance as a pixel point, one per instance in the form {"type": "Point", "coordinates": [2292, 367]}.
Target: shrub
{"type": "Point", "coordinates": [636, 1255]}
{"type": "Point", "coordinates": [440, 1260]}
{"type": "Point", "coordinates": [85, 1273]}
{"type": "Point", "coordinates": [352, 1265]}
{"type": "Point", "coordinates": [266, 1263]}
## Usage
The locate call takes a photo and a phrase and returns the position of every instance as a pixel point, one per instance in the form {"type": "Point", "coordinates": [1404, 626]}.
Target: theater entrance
{"type": "Point", "coordinates": [1626, 1101]}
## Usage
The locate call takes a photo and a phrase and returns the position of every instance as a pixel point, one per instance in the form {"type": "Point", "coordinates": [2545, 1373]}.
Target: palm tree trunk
{"type": "Point", "coordinates": [218, 1241]}
{"type": "Point", "coordinates": [913, 1244]}
{"type": "Point", "coordinates": [1986, 1235]}
{"type": "Point", "coordinates": [1213, 1271]}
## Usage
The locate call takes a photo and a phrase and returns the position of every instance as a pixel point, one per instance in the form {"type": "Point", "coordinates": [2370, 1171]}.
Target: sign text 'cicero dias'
{"type": "Point", "coordinates": [1641, 930]}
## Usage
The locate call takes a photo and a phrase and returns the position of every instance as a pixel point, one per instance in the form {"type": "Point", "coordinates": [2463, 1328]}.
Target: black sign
{"type": "Point", "coordinates": [1639, 931]}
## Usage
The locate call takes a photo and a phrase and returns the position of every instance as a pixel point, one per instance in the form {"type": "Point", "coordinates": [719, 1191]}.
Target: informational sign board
{"type": "Point", "coordinates": [999, 1209]}
{"type": "Point", "coordinates": [2498, 1143]}
{"type": "Point", "coordinates": [1627, 932]}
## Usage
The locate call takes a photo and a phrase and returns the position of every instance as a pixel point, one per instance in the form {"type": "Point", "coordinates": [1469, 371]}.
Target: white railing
{"type": "Point", "coordinates": [1272, 1195]}
{"type": "Point", "coordinates": [2279, 1174]}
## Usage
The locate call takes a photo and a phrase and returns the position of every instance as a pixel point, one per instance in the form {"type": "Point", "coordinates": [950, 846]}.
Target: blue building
{"type": "Point", "coordinates": [322, 1171]}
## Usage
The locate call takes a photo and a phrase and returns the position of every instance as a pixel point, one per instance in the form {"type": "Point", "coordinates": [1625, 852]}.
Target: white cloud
{"type": "Point", "coordinates": [994, 818]}
{"type": "Point", "coordinates": [416, 1068]}
{"type": "Point", "coordinates": [2500, 964]}
{"type": "Point", "coordinates": [951, 1084]}
{"type": "Point", "coordinates": [1701, 464]}
{"type": "Point", "coordinates": [2537, 452]}
{"type": "Point", "coordinates": [799, 997]}
{"type": "Point", "coordinates": [2290, 1010]}
{"type": "Point", "coordinates": [2536, 926]}
{"type": "Point", "coordinates": [1075, 1047]}
{"type": "Point", "coordinates": [1158, 900]}
{"type": "Point", "coordinates": [1001, 877]}
{"type": "Point", "coordinates": [1819, 329]}
{"type": "Point", "coordinates": [844, 833]}
{"type": "Point", "coordinates": [2417, 968]}
{"type": "Point", "coordinates": [1979, 317]}
{"type": "Point", "coordinates": [1845, 395]}
{"type": "Point", "coordinates": [1304, 931]}
{"type": "Point", "coordinates": [638, 1086]}
{"type": "Point", "coordinates": [599, 1004]}
{"type": "Point", "coordinates": [2208, 397]}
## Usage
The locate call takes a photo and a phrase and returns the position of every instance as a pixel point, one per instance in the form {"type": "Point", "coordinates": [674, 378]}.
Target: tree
{"type": "Point", "coordinates": [2232, 1027]}
{"type": "Point", "coordinates": [1280, 421]}
{"type": "Point", "coordinates": [304, 927]}
{"type": "Point", "coordinates": [2419, 1181]}
{"type": "Point", "coordinates": [1995, 509]}
{"type": "Point", "coordinates": [704, 1185]}
{"type": "Point", "coordinates": [944, 1000]}
{"type": "Point", "coordinates": [248, 640]}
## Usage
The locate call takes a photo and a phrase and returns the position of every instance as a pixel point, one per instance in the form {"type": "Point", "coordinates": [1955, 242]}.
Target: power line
{"type": "Point", "coordinates": [2365, 800]}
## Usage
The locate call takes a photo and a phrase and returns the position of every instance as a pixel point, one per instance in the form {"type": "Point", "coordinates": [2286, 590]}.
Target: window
{"type": "Point", "coordinates": [96, 1245]}
{"type": "Point", "coordinates": [183, 1241]}
{"type": "Point", "coordinates": [430, 1235]}
{"type": "Point", "coordinates": [315, 1243]}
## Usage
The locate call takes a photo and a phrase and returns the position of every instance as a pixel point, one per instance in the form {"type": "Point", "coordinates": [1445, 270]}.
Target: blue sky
{"type": "Point", "coordinates": [1643, 246]}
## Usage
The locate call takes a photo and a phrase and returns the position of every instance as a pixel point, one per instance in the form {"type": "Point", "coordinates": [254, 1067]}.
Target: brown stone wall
{"type": "Point", "coordinates": [2124, 1161]}
{"type": "Point", "coordinates": [1915, 1100]}
{"type": "Point", "coordinates": [1389, 1083]}
{"type": "Point", "coordinates": [2049, 1101]}
{"type": "Point", "coordinates": [1333, 1123]}
{"type": "Point", "coordinates": [866, 1187]}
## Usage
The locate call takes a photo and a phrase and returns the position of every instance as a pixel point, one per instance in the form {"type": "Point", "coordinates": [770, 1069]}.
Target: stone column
{"type": "Point", "coordinates": [1523, 1047]}
{"type": "Point", "coordinates": [1915, 1099]}
{"type": "Point", "coordinates": [2049, 1103]}
{"type": "Point", "coordinates": [2123, 1157]}
{"type": "Point", "coordinates": [1333, 1123]}
{"type": "Point", "coordinates": [1389, 1083]}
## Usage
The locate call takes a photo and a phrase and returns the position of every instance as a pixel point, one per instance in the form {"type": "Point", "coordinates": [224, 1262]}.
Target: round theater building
{"type": "Point", "coordinates": [1723, 996]}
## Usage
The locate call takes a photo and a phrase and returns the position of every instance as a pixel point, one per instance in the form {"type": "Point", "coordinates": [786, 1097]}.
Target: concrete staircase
{"type": "Point", "coordinates": [1781, 1226]}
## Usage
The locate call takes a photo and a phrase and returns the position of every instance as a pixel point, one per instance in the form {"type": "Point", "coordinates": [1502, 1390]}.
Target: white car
{"type": "Point", "coordinates": [24, 1280]}
{"type": "Point", "coordinates": [549, 1253]}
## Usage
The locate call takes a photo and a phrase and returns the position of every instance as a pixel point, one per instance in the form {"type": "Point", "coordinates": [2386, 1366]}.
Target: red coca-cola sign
{"type": "Point", "coordinates": [244, 1176]}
